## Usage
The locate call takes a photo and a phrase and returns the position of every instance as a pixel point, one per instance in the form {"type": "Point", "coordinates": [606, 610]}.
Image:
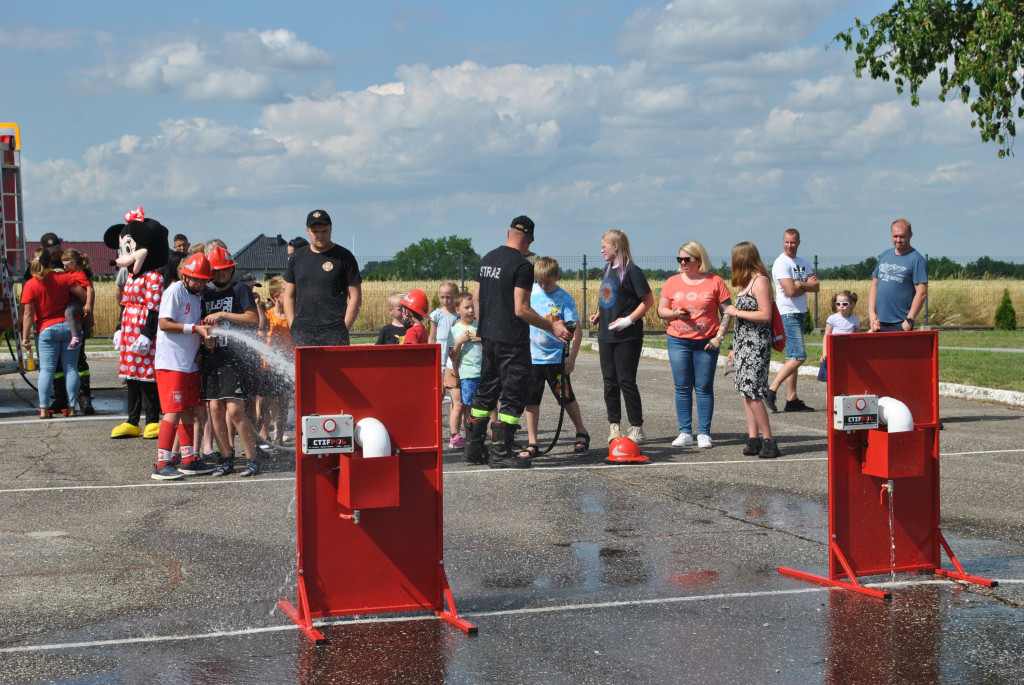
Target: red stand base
{"type": "Point", "coordinates": [303, 620]}
{"type": "Point", "coordinates": [853, 585]}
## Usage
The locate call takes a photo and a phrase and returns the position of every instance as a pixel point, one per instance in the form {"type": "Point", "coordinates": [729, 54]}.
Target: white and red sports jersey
{"type": "Point", "coordinates": [177, 351]}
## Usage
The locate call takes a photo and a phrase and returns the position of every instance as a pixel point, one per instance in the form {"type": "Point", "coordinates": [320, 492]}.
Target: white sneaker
{"type": "Point", "coordinates": [684, 440]}
{"type": "Point", "coordinates": [613, 432]}
{"type": "Point", "coordinates": [704, 441]}
{"type": "Point", "coordinates": [636, 434]}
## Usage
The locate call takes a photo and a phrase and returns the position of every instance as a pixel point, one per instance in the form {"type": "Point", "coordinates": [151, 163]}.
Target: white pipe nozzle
{"type": "Point", "coordinates": [895, 415]}
{"type": "Point", "coordinates": [373, 437]}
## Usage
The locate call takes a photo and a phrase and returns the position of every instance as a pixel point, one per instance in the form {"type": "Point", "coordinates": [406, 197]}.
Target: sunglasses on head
{"type": "Point", "coordinates": [686, 260]}
{"type": "Point", "coordinates": [842, 304]}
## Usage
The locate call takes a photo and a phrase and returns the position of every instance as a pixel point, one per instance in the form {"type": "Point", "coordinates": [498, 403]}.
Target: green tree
{"type": "Point", "coordinates": [1006, 316]}
{"type": "Point", "coordinates": [428, 260]}
{"type": "Point", "coordinates": [976, 46]}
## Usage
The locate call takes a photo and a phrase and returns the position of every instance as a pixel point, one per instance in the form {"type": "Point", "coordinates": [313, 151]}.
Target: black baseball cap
{"type": "Point", "coordinates": [50, 240]}
{"type": "Point", "coordinates": [318, 216]}
{"type": "Point", "coordinates": [524, 224]}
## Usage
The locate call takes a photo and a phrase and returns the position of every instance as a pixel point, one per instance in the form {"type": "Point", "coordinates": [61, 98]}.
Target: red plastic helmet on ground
{"type": "Point", "coordinates": [624, 450]}
{"type": "Point", "coordinates": [220, 258]}
{"type": "Point", "coordinates": [197, 266]}
{"type": "Point", "coordinates": [416, 300]}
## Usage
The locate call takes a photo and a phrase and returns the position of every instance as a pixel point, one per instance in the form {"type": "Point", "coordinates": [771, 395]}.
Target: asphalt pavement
{"type": "Point", "coordinates": [575, 571]}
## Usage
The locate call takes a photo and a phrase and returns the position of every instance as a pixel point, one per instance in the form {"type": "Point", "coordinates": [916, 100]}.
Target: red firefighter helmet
{"type": "Point", "coordinates": [624, 450]}
{"type": "Point", "coordinates": [220, 258]}
{"type": "Point", "coordinates": [197, 266]}
{"type": "Point", "coordinates": [416, 300]}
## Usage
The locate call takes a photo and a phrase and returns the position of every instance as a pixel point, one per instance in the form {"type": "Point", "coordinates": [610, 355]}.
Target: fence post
{"type": "Point", "coordinates": [584, 316]}
{"type": "Point", "coordinates": [462, 270]}
{"type": "Point", "coordinates": [816, 294]}
{"type": "Point", "coordinates": [926, 297]}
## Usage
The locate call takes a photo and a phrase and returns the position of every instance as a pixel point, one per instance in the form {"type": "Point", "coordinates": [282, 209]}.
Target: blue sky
{"type": "Point", "coordinates": [718, 122]}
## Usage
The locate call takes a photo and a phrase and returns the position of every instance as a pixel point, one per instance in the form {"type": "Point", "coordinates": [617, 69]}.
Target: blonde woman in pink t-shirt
{"type": "Point", "coordinates": [693, 302]}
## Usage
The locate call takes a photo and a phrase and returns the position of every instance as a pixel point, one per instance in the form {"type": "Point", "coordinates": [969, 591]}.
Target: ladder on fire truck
{"type": "Point", "coordinates": [12, 242]}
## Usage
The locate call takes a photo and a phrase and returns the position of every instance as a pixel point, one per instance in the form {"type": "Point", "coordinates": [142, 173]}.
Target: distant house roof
{"type": "Point", "coordinates": [99, 254]}
{"type": "Point", "coordinates": [263, 254]}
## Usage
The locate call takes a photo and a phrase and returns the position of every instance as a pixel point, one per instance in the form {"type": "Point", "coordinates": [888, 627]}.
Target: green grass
{"type": "Point", "coordinates": [968, 367]}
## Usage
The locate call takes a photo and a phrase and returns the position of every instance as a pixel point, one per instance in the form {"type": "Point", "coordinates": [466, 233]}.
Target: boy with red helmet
{"type": "Point", "coordinates": [414, 305]}
{"type": "Point", "coordinates": [179, 333]}
{"type": "Point", "coordinates": [229, 375]}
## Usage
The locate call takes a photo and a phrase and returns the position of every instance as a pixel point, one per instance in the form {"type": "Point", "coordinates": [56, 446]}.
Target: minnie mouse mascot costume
{"type": "Point", "coordinates": [143, 250]}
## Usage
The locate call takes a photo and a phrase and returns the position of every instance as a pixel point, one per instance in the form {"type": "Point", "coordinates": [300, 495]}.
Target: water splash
{"type": "Point", "coordinates": [892, 535]}
{"type": "Point", "coordinates": [278, 361]}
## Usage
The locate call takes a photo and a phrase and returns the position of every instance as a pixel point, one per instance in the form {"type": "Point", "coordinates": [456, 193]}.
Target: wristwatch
{"type": "Point", "coordinates": [910, 321]}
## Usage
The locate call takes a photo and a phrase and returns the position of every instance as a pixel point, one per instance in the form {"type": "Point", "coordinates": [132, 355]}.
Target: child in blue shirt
{"type": "Point", "coordinates": [553, 303]}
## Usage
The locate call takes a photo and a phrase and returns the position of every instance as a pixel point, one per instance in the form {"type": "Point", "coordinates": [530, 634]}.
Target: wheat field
{"type": "Point", "coordinates": [952, 303]}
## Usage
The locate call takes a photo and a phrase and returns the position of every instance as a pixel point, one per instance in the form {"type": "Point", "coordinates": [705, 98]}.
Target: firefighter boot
{"type": "Point", "coordinates": [476, 432]}
{"type": "Point", "coordinates": [503, 448]}
{"type": "Point", "coordinates": [85, 396]}
{"type": "Point", "coordinates": [59, 396]}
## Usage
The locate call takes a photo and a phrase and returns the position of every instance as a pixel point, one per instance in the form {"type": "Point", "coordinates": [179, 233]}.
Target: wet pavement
{"type": "Point", "coordinates": [574, 571]}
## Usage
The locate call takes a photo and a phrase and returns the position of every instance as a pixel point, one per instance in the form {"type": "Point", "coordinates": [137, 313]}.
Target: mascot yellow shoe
{"type": "Point", "coordinates": [152, 431]}
{"type": "Point", "coordinates": [126, 430]}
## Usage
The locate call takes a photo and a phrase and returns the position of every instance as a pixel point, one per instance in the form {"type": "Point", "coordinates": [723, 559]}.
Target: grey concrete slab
{"type": "Point", "coordinates": [574, 570]}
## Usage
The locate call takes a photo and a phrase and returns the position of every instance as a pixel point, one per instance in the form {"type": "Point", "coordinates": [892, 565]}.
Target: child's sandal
{"type": "Point", "coordinates": [582, 444]}
{"type": "Point", "coordinates": [530, 451]}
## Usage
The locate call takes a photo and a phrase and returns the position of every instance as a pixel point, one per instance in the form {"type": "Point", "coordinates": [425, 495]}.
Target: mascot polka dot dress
{"type": "Point", "coordinates": [141, 296]}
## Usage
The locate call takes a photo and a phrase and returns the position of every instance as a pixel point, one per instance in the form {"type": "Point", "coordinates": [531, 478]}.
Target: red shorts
{"type": "Point", "coordinates": [178, 390]}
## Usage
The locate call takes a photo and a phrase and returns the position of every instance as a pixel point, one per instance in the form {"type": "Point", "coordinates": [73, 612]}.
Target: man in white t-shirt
{"type": "Point", "coordinates": [794, 278]}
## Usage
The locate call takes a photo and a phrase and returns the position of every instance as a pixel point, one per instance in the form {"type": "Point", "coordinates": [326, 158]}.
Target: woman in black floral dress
{"type": "Point", "coordinates": [752, 345]}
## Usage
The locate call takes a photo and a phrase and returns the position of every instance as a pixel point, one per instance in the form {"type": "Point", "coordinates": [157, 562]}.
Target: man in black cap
{"type": "Point", "coordinates": [501, 299]}
{"type": "Point", "coordinates": [59, 401]}
{"type": "Point", "coordinates": [322, 287]}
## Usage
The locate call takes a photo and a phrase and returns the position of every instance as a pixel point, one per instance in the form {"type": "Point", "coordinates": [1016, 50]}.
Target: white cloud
{"type": "Point", "coordinates": [241, 67]}
{"type": "Point", "coordinates": [821, 190]}
{"type": "Point", "coordinates": [701, 32]}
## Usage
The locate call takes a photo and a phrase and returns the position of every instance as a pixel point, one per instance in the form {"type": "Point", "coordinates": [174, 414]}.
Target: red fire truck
{"type": "Point", "coordinates": [12, 241]}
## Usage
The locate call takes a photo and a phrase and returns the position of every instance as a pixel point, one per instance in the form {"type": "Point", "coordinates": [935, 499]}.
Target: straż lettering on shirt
{"type": "Point", "coordinates": [490, 271]}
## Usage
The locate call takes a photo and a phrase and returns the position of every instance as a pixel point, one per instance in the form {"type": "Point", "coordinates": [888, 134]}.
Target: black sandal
{"type": "Point", "coordinates": [582, 444]}
{"type": "Point", "coordinates": [530, 451]}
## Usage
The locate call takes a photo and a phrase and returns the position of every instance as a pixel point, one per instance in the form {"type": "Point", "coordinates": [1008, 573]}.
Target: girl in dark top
{"type": "Point", "coordinates": [624, 299]}
{"type": "Point", "coordinates": [752, 345]}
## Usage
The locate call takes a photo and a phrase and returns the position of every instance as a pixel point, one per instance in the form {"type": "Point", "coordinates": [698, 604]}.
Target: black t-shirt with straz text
{"type": "Point", "coordinates": [235, 299]}
{"type": "Point", "coordinates": [321, 281]}
{"type": "Point", "coordinates": [617, 300]}
{"type": "Point", "coordinates": [501, 271]}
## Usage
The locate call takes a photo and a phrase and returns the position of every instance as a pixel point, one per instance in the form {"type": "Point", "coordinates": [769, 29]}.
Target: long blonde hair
{"type": "Point", "coordinates": [746, 263]}
{"type": "Point", "coordinates": [42, 262]}
{"type": "Point", "coordinates": [620, 240]}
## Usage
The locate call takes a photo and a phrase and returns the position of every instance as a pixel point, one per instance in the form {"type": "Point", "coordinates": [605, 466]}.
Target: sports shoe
{"type": "Point", "coordinates": [797, 405]}
{"type": "Point", "coordinates": [252, 467]}
{"type": "Point", "coordinates": [684, 440]}
{"type": "Point", "coordinates": [457, 441]}
{"type": "Point", "coordinates": [704, 441]}
{"type": "Point", "coordinates": [196, 467]}
{"type": "Point", "coordinates": [769, 449]}
{"type": "Point", "coordinates": [75, 343]}
{"type": "Point", "coordinates": [175, 459]}
{"type": "Point", "coordinates": [166, 472]}
{"type": "Point", "coordinates": [613, 432]}
{"type": "Point", "coordinates": [225, 467]}
{"type": "Point", "coordinates": [753, 447]}
{"type": "Point", "coordinates": [770, 402]}
{"type": "Point", "coordinates": [636, 434]}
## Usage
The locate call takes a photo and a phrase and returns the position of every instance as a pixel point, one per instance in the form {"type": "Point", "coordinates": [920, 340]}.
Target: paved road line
{"type": "Point", "coordinates": [322, 623]}
{"type": "Point", "coordinates": [478, 472]}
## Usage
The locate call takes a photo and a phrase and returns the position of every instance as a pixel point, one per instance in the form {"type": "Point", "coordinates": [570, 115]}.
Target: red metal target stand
{"type": "Point", "coordinates": [883, 488]}
{"type": "Point", "coordinates": [370, 534]}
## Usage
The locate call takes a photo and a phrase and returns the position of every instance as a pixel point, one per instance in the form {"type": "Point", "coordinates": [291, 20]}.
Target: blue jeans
{"type": "Point", "coordinates": [693, 369]}
{"type": "Point", "coordinates": [53, 345]}
{"type": "Point", "coordinates": [794, 326]}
